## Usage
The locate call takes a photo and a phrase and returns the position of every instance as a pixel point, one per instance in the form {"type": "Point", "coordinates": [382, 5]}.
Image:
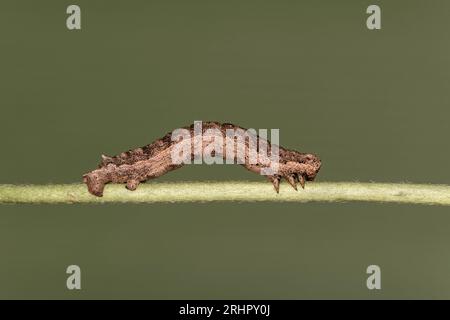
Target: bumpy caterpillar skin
{"type": "Point", "coordinates": [154, 160]}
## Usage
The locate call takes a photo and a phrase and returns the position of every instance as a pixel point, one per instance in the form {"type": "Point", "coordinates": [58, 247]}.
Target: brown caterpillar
{"type": "Point", "coordinates": [154, 160]}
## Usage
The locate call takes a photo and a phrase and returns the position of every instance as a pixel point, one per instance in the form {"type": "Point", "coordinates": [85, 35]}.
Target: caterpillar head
{"type": "Point", "coordinates": [312, 164]}
{"type": "Point", "coordinates": [296, 167]}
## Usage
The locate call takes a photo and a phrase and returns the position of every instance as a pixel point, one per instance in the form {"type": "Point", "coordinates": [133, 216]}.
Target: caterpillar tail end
{"type": "Point", "coordinates": [94, 184]}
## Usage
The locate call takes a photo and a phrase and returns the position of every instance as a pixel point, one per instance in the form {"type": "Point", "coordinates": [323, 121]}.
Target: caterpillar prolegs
{"type": "Point", "coordinates": [154, 160]}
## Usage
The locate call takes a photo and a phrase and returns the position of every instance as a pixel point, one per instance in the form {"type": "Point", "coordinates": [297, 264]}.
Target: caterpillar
{"type": "Point", "coordinates": [154, 160]}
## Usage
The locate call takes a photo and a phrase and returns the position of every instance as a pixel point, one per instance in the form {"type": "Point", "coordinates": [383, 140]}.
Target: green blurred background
{"type": "Point", "coordinates": [373, 104]}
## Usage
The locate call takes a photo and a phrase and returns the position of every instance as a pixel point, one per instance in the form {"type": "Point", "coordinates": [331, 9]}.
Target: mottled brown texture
{"type": "Point", "coordinates": [151, 161]}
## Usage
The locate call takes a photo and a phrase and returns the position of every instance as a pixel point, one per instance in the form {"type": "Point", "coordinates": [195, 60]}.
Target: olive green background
{"type": "Point", "coordinates": [373, 104]}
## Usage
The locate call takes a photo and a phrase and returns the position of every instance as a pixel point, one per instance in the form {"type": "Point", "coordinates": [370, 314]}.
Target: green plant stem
{"type": "Point", "coordinates": [230, 191]}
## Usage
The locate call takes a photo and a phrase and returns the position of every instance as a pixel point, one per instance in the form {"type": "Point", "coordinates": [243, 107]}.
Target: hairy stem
{"type": "Point", "coordinates": [230, 191]}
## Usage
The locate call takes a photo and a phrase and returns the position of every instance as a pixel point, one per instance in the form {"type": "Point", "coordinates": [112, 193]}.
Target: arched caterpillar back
{"type": "Point", "coordinates": [151, 161]}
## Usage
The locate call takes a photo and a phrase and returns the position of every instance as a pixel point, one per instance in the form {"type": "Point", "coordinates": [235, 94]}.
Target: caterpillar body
{"type": "Point", "coordinates": [154, 160]}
